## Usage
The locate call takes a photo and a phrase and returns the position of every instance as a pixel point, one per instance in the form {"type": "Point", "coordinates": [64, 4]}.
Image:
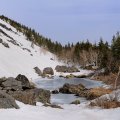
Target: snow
{"type": "Point", "coordinates": [70, 112]}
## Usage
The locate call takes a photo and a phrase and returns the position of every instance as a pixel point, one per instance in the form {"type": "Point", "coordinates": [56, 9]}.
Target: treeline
{"type": "Point", "coordinates": [34, 36]}
{"type": "Point", "coordinates": [100, 55]}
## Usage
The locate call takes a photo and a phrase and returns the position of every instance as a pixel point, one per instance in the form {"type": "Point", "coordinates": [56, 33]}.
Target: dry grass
{"type": "Point", "coordinates": [105, 104]}
{"type": "Point", "coordinates": [97, 92]}
{"type": "Point", "coordinates": [108, 79]}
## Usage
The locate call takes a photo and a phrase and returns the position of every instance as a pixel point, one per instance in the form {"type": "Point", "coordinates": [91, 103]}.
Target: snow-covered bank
{"type": "Point", "coordinates": [70, 112]}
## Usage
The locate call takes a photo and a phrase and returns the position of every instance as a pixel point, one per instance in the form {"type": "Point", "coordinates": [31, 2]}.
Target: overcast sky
{"type": "Point", "coordinates": [67, 20]}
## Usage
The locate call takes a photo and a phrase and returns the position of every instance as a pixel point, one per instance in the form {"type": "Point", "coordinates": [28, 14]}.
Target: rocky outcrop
{"type": "Point", "coordinates": [38, 71]}
{"type": "Point", "coordinates": [66, 69]}
{"type": "Point", "coordinates": [6, 101]}
{"type": "Point", "coordinates": [72, 89]}
{"type": "Point", "coordinates": [21, 89]}
{"type": "Point", "coordinates": [24, 81]}
{"type": "Point", "coordinates": [48, 70]}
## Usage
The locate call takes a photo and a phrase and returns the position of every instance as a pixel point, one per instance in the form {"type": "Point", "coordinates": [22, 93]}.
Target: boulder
{"type": "Point", "coordinates": [61, 68]}
{"type": "Point", "coordinates": [72, 69]}
{"type": "Point", "coordinates": [24, 80]}
{"type": "Point", "coordinates": [66, 69]}
{"type": "Point", "coordinates": [6, 101]}
{"type": "Point", "coordinates": [42, 95]}
{"type": "Point", "coordinates": [38, 71]}
{"type": "Point", "coordinates": [52, 106]}
{"type": "Point", "coordinates": [76, 102]}
{"type": "Point", "coordinates": [11, 84]}
{"type": "Point", "coordinates": [55, 92]}
{"type": "Point", "coordinates": [72, 89]}
{"type": "Point", "coordinates": [48, 70]}
{"type": "Point", "coordinates": [31, 96]}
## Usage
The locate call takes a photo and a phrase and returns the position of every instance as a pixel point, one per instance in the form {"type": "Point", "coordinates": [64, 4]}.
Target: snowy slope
{"type": "Point", "coordinates": [15, 60]}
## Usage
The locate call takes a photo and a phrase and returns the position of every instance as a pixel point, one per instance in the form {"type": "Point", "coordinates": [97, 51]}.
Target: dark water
{"type": "Point", "coordinates": [59, 82]}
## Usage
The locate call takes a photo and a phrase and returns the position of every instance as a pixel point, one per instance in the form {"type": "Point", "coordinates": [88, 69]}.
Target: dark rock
{"type": "Point", "coordinates": [1, 40]}
{"type": "Point", "coordinates": [5, 44]}
{"type": "Point", "coordinates": [26, 49]}
{"type": "Point", "coordinates": [24, 80]}
{"type": "Point", "coordinates": [76, 102]}
{"type": "Point", "coordinates": [13, 42]}
{"type": "Point", "coordinates": [48, 70]}
{"type": "Point", "coordinates": [66, 69]}
{"type": "Point", "coordinates": [12, 84]}
{"type": "Point", "coordinates": [53, 106]}
{"type": "Point", "coordinates": [61, 68]}
{"type": "Point", "coordinates": [6, 101]}
{"type": "Point", "coordinates": [55, 92]}
{"type": "Point", "coordinates": [72, 89]}
{"type": "Point", "coordinates": [72, 69]}
{"type": "Point", "coordinates": [38, 71]}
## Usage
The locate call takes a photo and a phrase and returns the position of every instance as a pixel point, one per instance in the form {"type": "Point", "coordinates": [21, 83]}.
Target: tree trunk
{"type": "Point", "coordinates": [116, 80]}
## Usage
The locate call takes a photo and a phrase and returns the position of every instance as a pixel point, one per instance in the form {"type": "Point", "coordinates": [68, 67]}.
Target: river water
{"type": "Point", "coordinates": [56, 83]}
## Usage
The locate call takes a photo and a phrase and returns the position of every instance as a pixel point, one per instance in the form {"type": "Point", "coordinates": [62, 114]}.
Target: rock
{"type": "Point", "coordinates": [53, 106]}
{"type": "Point", "coordinates": [3, 79]}
{"type": "Point", "coordinates": [24, 80]}
{"type": "Point", "coordinates": [38, 71]}
{"type": "Point", "coordinates": [66, 69]}
{"type": "Point", "coordinates": [42, 95]}
{"type": "Point", "coordinates": [69, 76]}
{"type": "Point", "coordinates": [12, 84]}
{"type": "Point", "coordinates": [1, 40]}
{"type": "Point", "coordinates": [5, 44]}
{"type": "Point", "coordinates": [31, 96]}
{"type": "Point", "coordinates": [108, 101]}
{"type": "Point", "coordinates": [48, 70]}
{"type": "Point", "coordinates": [76, 102]}
{"type": "Point", "coordinates": [55, 92]}
{"type": "Point", "coordinates": [27, 96]}
{"type": "Point", "coordinates": [6, 101]}
{"type": "Point", "coordinates": [61, 68]}
{"type": "Point", "coordinates": [72, 89]}
{"type": "Point", "coordinates": [72, 69]}
{"type": "Point", "coordinates": [81, 76]}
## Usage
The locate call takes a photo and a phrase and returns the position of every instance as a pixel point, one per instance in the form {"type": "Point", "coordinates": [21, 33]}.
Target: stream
{"type": "Point", "coordinates": [56, 83]}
